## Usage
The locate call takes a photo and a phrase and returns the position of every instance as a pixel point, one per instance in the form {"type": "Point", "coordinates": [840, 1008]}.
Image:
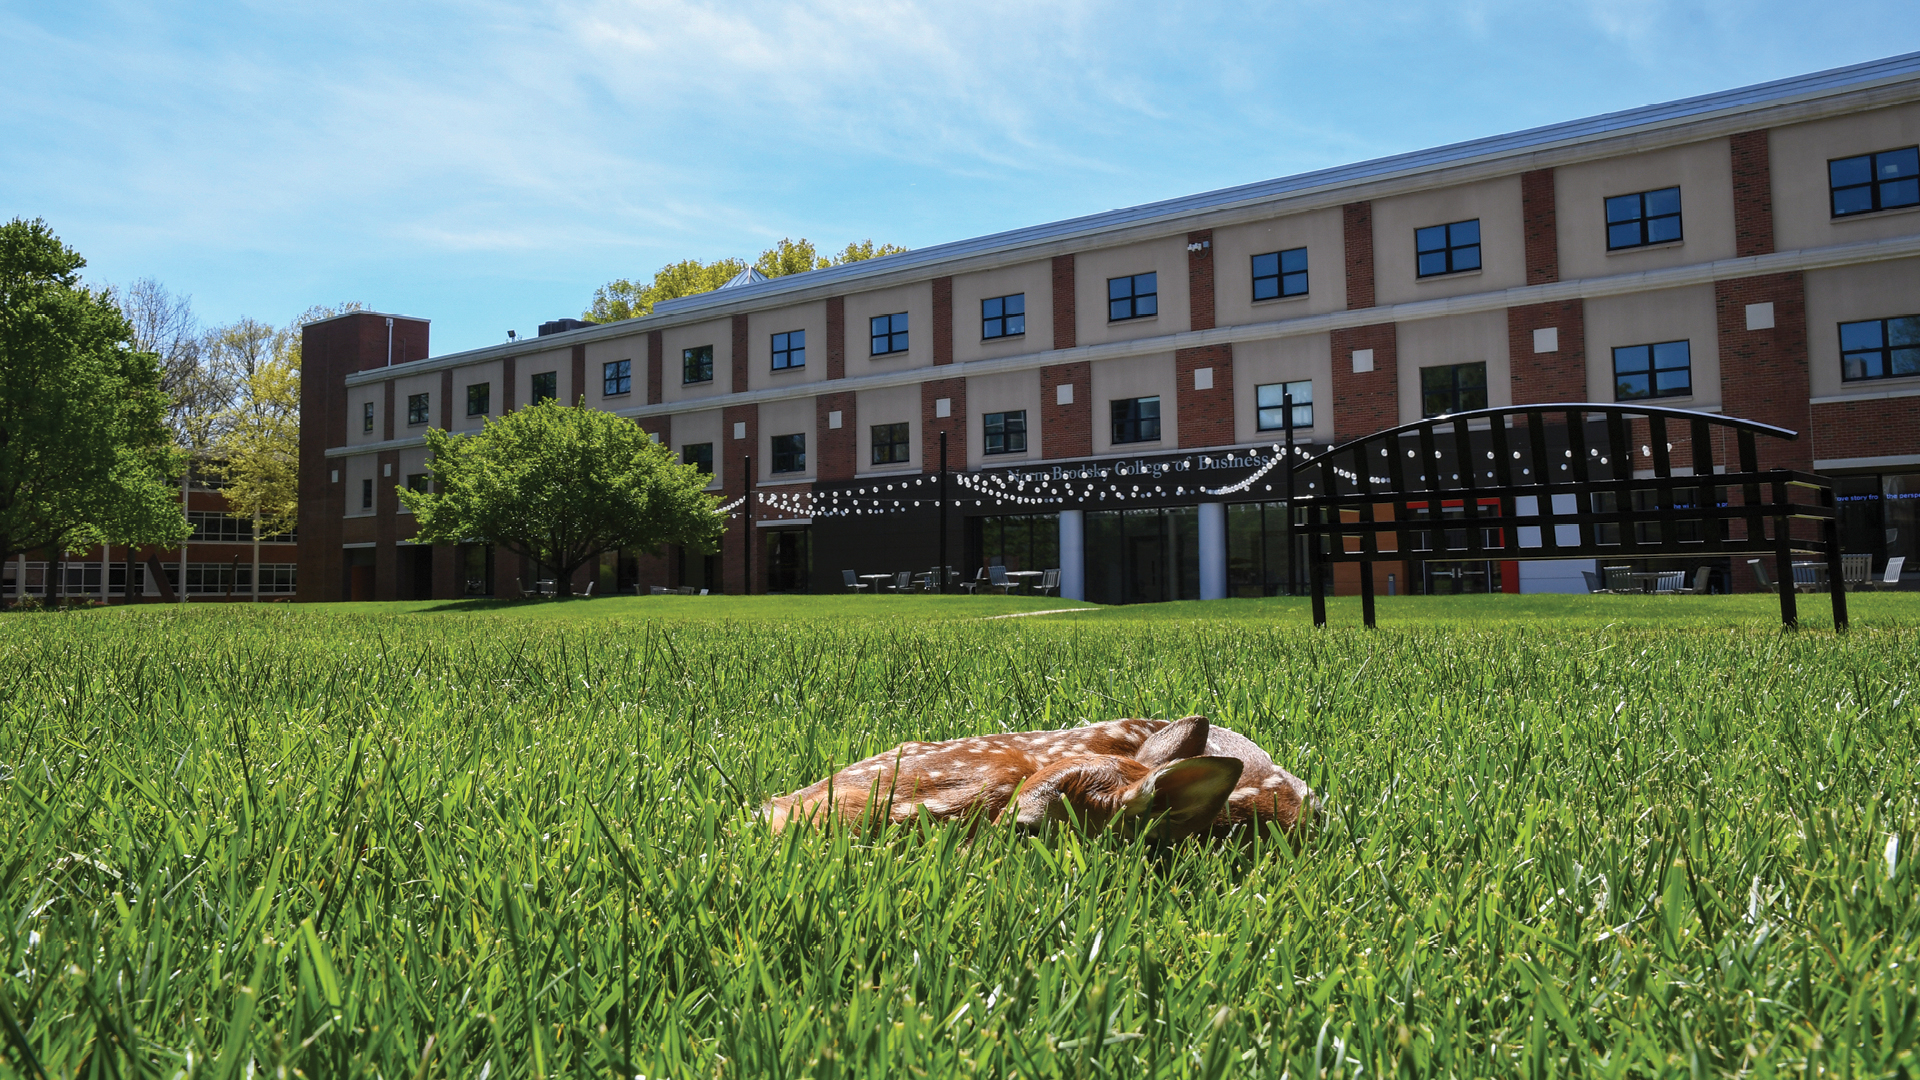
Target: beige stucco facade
{"type": "Point", "coordinates": [1854, 294]}
{"type": "Point", "coordinates": [1496, 203]}
{"type": "Point", "coordinates": [1017, 391]}
{"type": "Point", "coordinates": [1281, 360]}
{"type": "Point", "coordinates": [1457, 339]}
{"type": "Point", "coordinates": [1134, 377]}
{"type": "Point", "coordinates": [1166, 258]}
{"type": "Point", "coordinates": [1702, 171]}
{"type": "Point", "coordinates": [890, 405]}
{"type": "Point", "coordinates": [1802, 205]}
{"type": "Point", "coordinates": [762, 325]}
{"type": "Point", "coordinates": [1319, 231]}
{"type": "Point", "coordinates": [915, 301]}
{"type": "Point", "coordinates": [1033, 279]}
{"type": "Point", "coordinates": [1648, 319]}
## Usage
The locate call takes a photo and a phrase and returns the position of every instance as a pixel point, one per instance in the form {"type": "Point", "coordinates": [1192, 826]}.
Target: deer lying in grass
{"type": "Point", "coordinates": [1181, 778]}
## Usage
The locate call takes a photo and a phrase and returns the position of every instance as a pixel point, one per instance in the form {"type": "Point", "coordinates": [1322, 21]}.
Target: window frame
{"type": "Point", "coordinates": [616, 378]}
{"type": "Point", "coordinates": [899, 450]}
{"type": "Point", "coordinates": [485, 398]}
{"type": "Point", "coordinates": [1002, 317]}
{"type": "Point", "coordinates": [704, 461]}
{"type": "Point", "coordinates": [366, 418]}
{"type": "Point", "coordinates": [1885, 349]}
{"type": "Point", "coordinates": [784, 349]}
{"type": "Point", "coordinates": [1873, 184]}
{"type": "Point", "coordinates": [893, 337]}
{"type": "Point", "coordinates": [424, 484]}
{"type": "Point", "coordinates": [1260, 410]}
{"type": "Point", "coordinates": [1652, 370]}
{"type": "Point", "coordinates": [1447, 249]}
{"type": "Point", "coordinates": [1134, 297]}
{"type": "Point", "coordinates": [794, 453]}
{"type": "Point", "coordinates": [366, 493]}
{"type": "Point", "coordinates": [420, 408]}
{"type": "Point", "coordinates": [543, 386]}
{"type": "Point", "coordinates": [1454, 389]}
{"type": "Point", "coordinates": [1129, 415]}
{"type": "Point", "coordinates": [1281, 275]}
{"type": "Point", "coordinates": [1013, 425]}
{"type": "Point", "coordinates": [691, 360]}
{"type": "Point", "coordinates": [1643, 220]}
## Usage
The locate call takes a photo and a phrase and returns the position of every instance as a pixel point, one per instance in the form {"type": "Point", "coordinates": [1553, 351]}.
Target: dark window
{"type": "Point", "coordinates": [1280, 273]}
{"type": "Point", "coordinates": [417, 408]}
{"type": "Point", "coordinates": [479, 398]}
{"type": "Point", "coordinates": [417, 481]}
{"type": "Point", "coordinates": [1006, 432]}
{"type": "Point", "coordinates": [1133, 297]}
{"type": "Point", "coordinates": [618, 375]}
{"type": "Point", "coordinates": [366, 417]}
{"type": "Point", "coordinates": [366, 494]}
{"type": "Point", "coordinates": [1136, 419]}
{"type": "Point", "coordinates": [889, 444]}
{"type": "Point", "coordinates": [546, 387]}
{"type": "Point", "coordinates": [789, 453]}
{"type": "Point", "coordinates": [1642, 371]}
{"type": "Point", "coordinates": [1880, 348]}
{"type": "Point", "coordinates": [889, 334]}
{"type": "Point", "coordinates": [1872, 182]}
{"type": "Point", "coordinates": [1650, 217]}
{"type": "Point", "coordinates": [1448, 249]}
{"type": "Point", "coordinates": [696, 364]}
{"type": "Point", "coordinates": [700, 454]}
{"type": "Point", "coordinates": [790, 350]}
{"type": "Point", "coordinates": [1003, 316]}
{"type": "Point", "coordinates": [1270, 400]}
{"type": "Point", "coordinates": [1455, 388]}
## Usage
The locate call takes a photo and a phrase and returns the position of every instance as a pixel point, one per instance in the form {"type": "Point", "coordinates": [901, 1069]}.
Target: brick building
{"type": "Point", "coordinates": [1754, 252]}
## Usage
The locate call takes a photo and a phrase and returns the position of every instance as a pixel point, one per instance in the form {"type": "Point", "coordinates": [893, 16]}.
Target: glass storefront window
{"type": "Point", "coordinates": [1880, 515]}
{"type": "Point", "coordinates": [1257, 563]}
{"type": "Point", "coordinates": [1143, 556]}
{"type": "Point", "coordinates": [1017, 542]}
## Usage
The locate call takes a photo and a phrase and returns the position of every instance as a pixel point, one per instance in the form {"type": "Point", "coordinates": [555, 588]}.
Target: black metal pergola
{"type": "Point", "coordinates": [1564, 481]}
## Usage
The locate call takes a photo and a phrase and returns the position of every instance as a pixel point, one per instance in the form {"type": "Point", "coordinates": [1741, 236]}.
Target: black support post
{"type": "Point", "coordinates": [942, 571]}
{"type": "Point", "coordinates": [746, 515]}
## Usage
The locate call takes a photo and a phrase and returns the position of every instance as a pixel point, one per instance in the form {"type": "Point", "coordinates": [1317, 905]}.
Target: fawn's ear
{"type": "Point", "coordinates": [1180, 739]}
{"type": "Point", "coordinates": [1187, 795]}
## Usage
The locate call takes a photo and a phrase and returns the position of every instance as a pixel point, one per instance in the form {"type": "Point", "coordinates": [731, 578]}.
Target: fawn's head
{"type": "Point", "coordinates": [1168, 785]}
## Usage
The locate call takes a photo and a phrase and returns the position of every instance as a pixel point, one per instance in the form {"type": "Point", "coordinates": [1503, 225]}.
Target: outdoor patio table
{"type": "Point", "coordinates": [873, 581]}
{"type": "Point", "coordinates": [1024, 575]}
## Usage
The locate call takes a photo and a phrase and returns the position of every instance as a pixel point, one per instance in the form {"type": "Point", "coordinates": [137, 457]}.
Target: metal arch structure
{"type": "Point", "coordinates": [1570, 480]}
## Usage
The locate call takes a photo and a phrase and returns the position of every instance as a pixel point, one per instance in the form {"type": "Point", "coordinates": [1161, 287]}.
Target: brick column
{"type": "Point", "coordinates": [739, 384]}
{"type": "Point", "coordinates": [1357, 232]}
{"type": "Point", "coordinates": [507, 377]}
{"type": "Point", "coordinates": [660, 427]}
{"type": "Point", "coordinates": [1541, 225]}
{"type": "Point", "coordinates": [655, 362]}
{"type": "Point", "coordinates": [446, 400]}
{"type": "Point", "coordinates": [1552, 376]}
{"type": "Point", "coordinates": [954, 424]}
{"type": "Point", "coordinates": [740, 530]}
{"type": "Point", "coordinates": [1752, 193]}
{"type": "Point", "coordinates": [1205, 417]}
{"type": "Point", "coordinates": [1199, 286]}
{"type": "Point", "coordinates": [838, 446]}
{"type": "Point", "coordinates": [1763, 373]}
{"type": "Point", "coordinates": [386, 509]}
{"type": "Point", "coordinates": [1365, 402]}
{"type": "Point", "coordinates": [579, 387]}
{"type": "Point", "coordinates": [1066, 431]}
{"type": "Point", "coordinates": [836, 337]}
{"type": "Point", "coordinates": [1065, 333]}
{"type": "Point", "coordinates": [943, 321]}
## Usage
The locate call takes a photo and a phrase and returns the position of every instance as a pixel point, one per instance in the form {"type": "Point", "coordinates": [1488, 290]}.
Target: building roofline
{"type": "Point", "coordinates": [375, 314]}
{"type": "Point", "coordinates": [1537, 147]}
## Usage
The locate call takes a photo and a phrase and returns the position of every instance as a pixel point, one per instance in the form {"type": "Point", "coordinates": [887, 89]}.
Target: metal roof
{"type": "Point", "coordinates": [1818, 84]}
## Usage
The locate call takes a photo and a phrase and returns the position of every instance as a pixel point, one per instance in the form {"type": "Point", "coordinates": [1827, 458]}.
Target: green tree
{"type": "Point", "coordinates": [624, 299]}
{"type": "Point", "coordinates": [85, 456]}
{"type": "Point", "coordinates": [260, 454]}
{"type": "Point", "coordinates": [560, 486]}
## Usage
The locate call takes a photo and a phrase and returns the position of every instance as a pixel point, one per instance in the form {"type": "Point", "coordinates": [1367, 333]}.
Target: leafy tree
{"type": "Point", "coordinates": [260, 454]}
{"type": "Point", "coordinates": [560, 486]}
{"type": "Point", "coordinates": [85, 456]}
{"type": "Point", "coordinates": [624, 299]}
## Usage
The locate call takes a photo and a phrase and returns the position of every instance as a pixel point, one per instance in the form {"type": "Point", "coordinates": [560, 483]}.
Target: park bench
{"type": "Point", "coordinates": [1564, 481]}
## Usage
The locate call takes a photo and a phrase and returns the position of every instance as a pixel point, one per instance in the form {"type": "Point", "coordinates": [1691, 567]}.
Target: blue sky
{"type": "Point", "coordinates": [486, 165]}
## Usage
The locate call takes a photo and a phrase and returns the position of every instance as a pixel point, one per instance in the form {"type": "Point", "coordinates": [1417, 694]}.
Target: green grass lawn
{"type": "Point", "coordinates": [1599, 835]}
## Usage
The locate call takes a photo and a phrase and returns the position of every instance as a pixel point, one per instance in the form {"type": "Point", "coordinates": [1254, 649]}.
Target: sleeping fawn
{"type": "Point", "coordinates": [1179, 778]}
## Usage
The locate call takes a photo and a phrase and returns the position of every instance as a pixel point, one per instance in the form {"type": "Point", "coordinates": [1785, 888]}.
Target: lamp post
{"type": "Point", "coordinates": [943, 514]}
{"type": "Point", "coordinates": [746, 515]}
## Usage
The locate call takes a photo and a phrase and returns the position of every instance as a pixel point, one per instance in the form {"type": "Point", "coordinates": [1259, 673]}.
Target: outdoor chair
{"type": "Point", "coordinates": [1049, 581]}
{"type": "Point", "coordinates": [1702, 580]}
{"type": "Point", "coordinates": [973, 587]}
{"type": "Point", "coordinates": [1858, 569]}
{"type": "Point", "coordinates": [1892, 578]}
{"type": "Point", "coordinates": [853, 583]}
{"type": "Point", "coordinates": [658, 590]}
{"type": "Point", "coordinates": [686, 590]}
{"type": "Point", "coordinates": [1760, 574]}
{"type": "Point", "coordinates": [1619, 579]}
{"type": "Point", "coordinates": [902, 582]}
{"type": "Point", "coordinates": [1669, 582]}
{"type": "Point", "coordinates": [997, 577]}
{"type": "Point", "coordinates": [590, 586]}
{"type": "Point", "coordinates": [1804, 578]}
{"type": "Point", "coordinates": [1593, 582]}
